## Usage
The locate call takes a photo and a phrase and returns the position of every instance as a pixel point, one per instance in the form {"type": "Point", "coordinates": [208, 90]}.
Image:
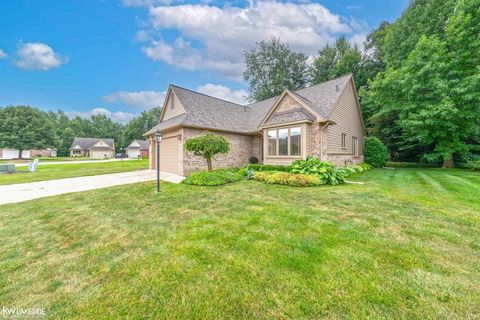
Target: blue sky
{"type": "Point", "coordinates": [118, 56]}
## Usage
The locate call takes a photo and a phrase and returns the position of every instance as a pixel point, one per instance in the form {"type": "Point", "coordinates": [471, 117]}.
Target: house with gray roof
{"type": "Point", "coordinates": [138, 149]}
{"type": "Point", "coordinates": [323, 120]}
{"type": "Point", "coordinates": [99, 148]}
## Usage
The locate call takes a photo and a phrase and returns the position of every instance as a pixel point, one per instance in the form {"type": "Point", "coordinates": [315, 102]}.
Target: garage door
{"type": "Point", "coordinates": [169, 154]}
{"type": "Point", "coordinates": [133, 153]}
{"type": "Point", "coordinates": [13, 154]}
{"type": "Point", "coordinates": [99, 154]}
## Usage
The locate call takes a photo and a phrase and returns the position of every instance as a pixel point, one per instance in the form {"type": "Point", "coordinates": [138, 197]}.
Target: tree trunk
{"type": "Point", "coordinates": [209, 164]}
{"type": "Point", "coordinates": [20, 151]}
{"type": "Point", "coordinates": [448, 163]}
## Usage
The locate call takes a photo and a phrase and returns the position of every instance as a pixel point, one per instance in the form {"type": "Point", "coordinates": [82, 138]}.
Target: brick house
{"type": "Point", "coordinates": [323, 120]}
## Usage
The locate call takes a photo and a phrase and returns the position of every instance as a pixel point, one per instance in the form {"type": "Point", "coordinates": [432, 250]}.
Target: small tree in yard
{"type": "Point", "coordinates": [207, 145]}
{"type": "Point", "coordinates": [26, 128]}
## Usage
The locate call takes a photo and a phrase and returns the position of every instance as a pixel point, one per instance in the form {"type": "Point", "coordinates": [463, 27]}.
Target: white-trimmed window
{"type": "Point", "coordinates": [285, 142]}
{"type": "Point", "coordinates": [344, 141]}
{"type": "Point", "coordinates": [355, 146]}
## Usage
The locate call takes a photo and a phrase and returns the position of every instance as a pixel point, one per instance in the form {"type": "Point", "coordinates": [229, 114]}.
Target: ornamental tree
{"type": "Point", "coordinates": [207, 146]}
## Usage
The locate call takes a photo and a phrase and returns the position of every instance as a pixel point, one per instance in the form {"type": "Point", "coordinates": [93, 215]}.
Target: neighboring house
{"type": "Point", "coordinates": [92, 147]}
{"type": "Point", "coordinates": [49, 152]}
{"type": "Point", "coordinates": [323, 120]}
{"type": "Point", "coordinates": [138, 149]}
{"type": "Point", "coordinates": [13, 153]}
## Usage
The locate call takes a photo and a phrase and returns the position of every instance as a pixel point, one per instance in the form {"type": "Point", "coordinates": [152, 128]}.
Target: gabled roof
{"type": "Point", "coordinates": [207, 112]}
{"type": "Point", "coordinates": [88, 143]}
{"type": "Point", "coordinates": [143, 144]}
{"type": "Point", "coordinates": [294, 115]}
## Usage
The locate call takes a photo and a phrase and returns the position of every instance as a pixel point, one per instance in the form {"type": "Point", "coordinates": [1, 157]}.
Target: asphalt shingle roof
{"type": "Point", "coordinates": [88, 143]}
{"type": "Point", "coordinates": [143, 145]}
{"type": "Point", "coordinates": [208, 112]}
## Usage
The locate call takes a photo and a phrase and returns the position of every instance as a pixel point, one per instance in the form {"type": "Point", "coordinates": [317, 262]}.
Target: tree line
{"type": "Point", "coordinates": [418, 79]}
{"type": "Point", "coordinates": [25, 127]}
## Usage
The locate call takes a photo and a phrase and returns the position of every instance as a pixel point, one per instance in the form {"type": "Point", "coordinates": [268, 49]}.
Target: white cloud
{"type": "Point", "coordinates": [221, 35]}
{"type": "Point", "coordinates": [141, 99]}
{"type": "Point", "coordinates": [2, 54]}
{"type": "Point", "coordinates": [38, 56]}
{"type": "Point", "coordinates": [223, 92]}
{"type": "Point", "coordinates": [117, 116]}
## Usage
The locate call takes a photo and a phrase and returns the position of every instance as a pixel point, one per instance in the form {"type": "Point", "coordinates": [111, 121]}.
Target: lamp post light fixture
{"type": "Point", "coordinates": [158, 139]}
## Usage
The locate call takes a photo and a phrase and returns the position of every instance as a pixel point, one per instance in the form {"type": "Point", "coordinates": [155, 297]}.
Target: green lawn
{"type": "Point", "coordinates": [60, 171]}
{"type": "Point", "coordinates": [406, 244]}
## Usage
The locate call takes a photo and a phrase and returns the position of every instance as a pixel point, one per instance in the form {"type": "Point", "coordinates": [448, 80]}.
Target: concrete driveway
{"type": "Point", "coordinates": [14, 193]}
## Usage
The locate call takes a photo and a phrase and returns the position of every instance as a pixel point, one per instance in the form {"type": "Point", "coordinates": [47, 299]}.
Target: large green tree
{"type": "Point", "coordinates": [136, 127]}
{"type": "Point", "coordinates": [335, 61]}
{"type": "Point", "coordinates": [272, 67]}
{"type": "Point", "coordinates": [429, 104]}
{"type": "Point", "coordinates": [24, 127]}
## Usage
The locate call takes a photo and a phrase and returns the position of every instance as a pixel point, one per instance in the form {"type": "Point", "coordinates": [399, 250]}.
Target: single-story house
{"type": "Point", "coordinates": [323, 120]}
{"type": "Point", "coordinates": [138, 149]}
{"type": "Point", "coordinates": [49, 152]}
{"type": "Point", "coordinates": [92, 147]}
{"type": "Point", "coordinates": [13, 153]}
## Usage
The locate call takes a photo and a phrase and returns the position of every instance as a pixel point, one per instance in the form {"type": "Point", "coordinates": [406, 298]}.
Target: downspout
{"type": "Point", "coordinates": [261, 145]}
{"type": "Point", "coordinates": [321, 140]}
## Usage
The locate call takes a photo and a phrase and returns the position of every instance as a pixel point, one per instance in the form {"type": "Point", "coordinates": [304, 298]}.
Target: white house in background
{"type": "Point", "coordinates": [92, 148]}
{"type": "Point", "coordinates": [137, 149]}
{"type": "Point", "coordinates": [13, 153]}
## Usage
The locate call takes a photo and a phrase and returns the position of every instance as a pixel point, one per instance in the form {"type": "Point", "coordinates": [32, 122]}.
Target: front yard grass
{"type": "Point", "coordinates": [406, 244]}
{"type": "Point", "coordinates": [61, 171]}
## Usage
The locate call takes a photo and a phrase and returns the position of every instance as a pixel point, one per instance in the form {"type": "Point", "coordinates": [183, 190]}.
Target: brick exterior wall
{"type": "Point", "coordinates": [240, 151]}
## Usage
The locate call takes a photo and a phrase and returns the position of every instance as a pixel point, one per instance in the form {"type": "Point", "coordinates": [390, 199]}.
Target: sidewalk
{"type": "Point", "coordinates": [33, 190]}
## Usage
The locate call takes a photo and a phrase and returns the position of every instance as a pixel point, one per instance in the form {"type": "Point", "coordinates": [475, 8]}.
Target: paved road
{"type": "Point", "coordinates": [14, 193]}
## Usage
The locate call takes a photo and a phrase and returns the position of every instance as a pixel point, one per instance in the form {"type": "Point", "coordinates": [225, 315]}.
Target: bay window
{"type": "Point", "coordinates": [285, 141]}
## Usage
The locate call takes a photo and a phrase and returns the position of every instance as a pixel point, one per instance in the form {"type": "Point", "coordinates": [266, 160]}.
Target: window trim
{"type": "Point", "coordinates": [343, 141]}
{"type": "Point", "coordinates": [289, 144]}
{"type": "Point", "coordinates": [355, 152]}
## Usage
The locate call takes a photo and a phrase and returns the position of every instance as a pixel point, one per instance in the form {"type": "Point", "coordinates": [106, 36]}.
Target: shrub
{"type": "Point", "coordinates": [266, 167]}
{"type": "Point", "coordinates": [324, 170]}
{"type": "Point", "coordinates": [376, 152]}
{"type": "Point", "coordinates": [473, 164]}
{"type": "Point", "coordinates": [253, 160]}
{"type": "Point", "coordinates": [356, 168]}
{"type": "Point", "coordinates": [289, 179]}
{"type": "Point", "coordinates": [211, 178]}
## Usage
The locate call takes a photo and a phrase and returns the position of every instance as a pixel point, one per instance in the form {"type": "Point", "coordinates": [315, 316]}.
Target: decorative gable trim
{"type": "Point", "coordinates": [297, 99]}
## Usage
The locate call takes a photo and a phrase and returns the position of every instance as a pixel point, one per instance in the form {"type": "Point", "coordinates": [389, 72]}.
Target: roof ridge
{"type": "Point", "coordinates": [206, 95]}
{"type": "Point", "coordinates": [296, 91]}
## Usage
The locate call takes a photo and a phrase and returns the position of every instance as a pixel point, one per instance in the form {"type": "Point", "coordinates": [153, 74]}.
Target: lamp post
{"type": "Point", "coordinates": [158, 139]}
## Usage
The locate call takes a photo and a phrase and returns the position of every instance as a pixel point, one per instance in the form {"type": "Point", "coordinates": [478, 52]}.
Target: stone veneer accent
{"type": "Point", "coordinates": [240, 151]}
{"type": "Point", "coordinates": [342, 160]}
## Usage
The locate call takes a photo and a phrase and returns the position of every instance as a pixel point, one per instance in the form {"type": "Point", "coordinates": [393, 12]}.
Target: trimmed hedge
{"type": "Point", "coordinates": [213, 178]}
{"type": "Point", "coordinates": [289, 179]}
{"type": "Point", "coordinates": [376, 153]}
